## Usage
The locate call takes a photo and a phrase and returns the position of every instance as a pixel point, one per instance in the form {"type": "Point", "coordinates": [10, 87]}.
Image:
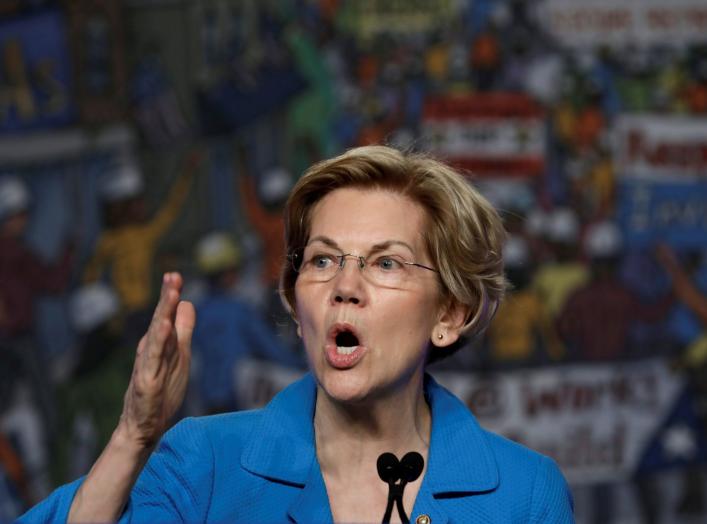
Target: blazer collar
{"type": "Point", "coordinates": [281, 445]}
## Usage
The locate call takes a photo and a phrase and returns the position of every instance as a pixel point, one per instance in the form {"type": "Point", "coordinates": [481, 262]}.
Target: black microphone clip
{"type": "Point", "coordinates": [391, 470]}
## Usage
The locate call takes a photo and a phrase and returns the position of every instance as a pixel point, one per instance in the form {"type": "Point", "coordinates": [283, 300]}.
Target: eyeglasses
{"type": "Point", "coordinates": [381, 269]}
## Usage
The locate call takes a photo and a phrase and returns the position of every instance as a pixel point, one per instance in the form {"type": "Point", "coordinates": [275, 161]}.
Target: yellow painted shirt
{"type": "Point", "coordinates": [554, 282]}
{"type": "Point", "coordinates": [128, 252]}
{"type": "Point", "coordinates": [519, 324]}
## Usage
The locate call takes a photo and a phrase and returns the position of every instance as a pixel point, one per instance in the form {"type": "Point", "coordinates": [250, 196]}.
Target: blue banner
{"type": "Point", "coordinates": [671, 212]}
{"type": "Point", "coordinates": [35, 73]}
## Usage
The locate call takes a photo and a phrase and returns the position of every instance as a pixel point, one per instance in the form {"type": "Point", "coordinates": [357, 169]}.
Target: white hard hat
{"type": "Point", "coordinates": [562, 225]}
{"type": "Point", "coordinates": [544, 78]}
{"type": "Point", "coordinates": [603, 239]}
{"type": "Point", "coordinates": [125, 181]}
{"type": "Point", "coordinates": [91, 305]}
{"type": "Point", "coordinates": [275, 185]}
{"type": "Point", "coordinates": [14, 196]}
{"type": "Point", "coordinates": [216, 252]}
{"type": "Point", "coordinates": [536, 222]}
{"type": "Point", "coordinates": [515, 252]}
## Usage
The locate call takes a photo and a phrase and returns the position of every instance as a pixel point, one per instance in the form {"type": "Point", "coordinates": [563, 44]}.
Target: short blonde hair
{"type": "Point", "coordinates": [464, 236]}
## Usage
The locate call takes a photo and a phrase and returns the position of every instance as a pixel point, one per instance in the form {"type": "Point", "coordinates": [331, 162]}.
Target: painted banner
{"type": "Point", "coordinates": [661, 147]}
{"type": "Point", "coordinates": [489, 134]}
{"type": "Point", "coordinates": [597, 421]}
{"type": "Point", "coordinates": [592, 23]}
{"type": "Point", "coordinates": [600, 422]}
{"type": "Point", "coordinates": [671, 212]}
{"type": "Point", "coordinates": [35, 73]}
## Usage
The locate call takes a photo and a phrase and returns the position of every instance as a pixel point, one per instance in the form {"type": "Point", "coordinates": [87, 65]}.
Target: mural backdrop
{"type": "Point", "coordinates": [151, 135]}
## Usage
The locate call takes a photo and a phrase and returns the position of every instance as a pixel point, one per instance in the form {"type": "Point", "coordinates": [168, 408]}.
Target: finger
{"type": "Point", "coordinates": [181, 332]}
{"type": "Point", "coordinates": [184, 327]}
{"type": "Point", "coordinates": [184, 323]}
{"type": "Point", "coordinates": [166, 306]}
{"type": "Point", "coordinates": [155, 351]}
{"type": "Point", "coordinates": [157, 336]}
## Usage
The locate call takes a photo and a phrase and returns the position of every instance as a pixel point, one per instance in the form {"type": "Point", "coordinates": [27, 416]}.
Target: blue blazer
{"type": "Point", "coordinates": [261, 467]}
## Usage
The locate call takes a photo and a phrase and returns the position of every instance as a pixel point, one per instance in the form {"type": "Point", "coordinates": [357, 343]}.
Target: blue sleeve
{"type": "Point", "coordinates": [177, 482]}
{"type": "Point", "coordinates": [552, 500]}
{"type": "Point", "coordinates": [174, 486]}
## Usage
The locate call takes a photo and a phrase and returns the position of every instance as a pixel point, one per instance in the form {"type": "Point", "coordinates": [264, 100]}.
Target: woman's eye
{"type": "Point", "coordinates": [321, 261]}
{"type": "Point", "coordinates": [388, 263]}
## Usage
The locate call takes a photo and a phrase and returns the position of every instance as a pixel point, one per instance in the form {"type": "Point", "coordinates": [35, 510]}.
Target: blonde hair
{"type": "Point", "coordinates": [464, 236]}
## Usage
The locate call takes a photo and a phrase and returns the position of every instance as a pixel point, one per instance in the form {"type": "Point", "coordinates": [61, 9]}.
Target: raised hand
{"type": "Point", "coordinates": [155, 392]}
{"type": "Point", "coordinates": [161, 369]}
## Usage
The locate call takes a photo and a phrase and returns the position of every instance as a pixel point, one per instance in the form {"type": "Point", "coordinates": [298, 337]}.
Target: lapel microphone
{"type": "Point", "coordinates": [391, 470]}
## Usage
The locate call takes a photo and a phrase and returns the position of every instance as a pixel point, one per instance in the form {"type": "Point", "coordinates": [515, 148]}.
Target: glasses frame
{"type": "Point", "coordinates": [292, 257]}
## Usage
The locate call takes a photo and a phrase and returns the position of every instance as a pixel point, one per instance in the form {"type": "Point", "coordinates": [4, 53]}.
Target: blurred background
{"type": "Point", "coordinates": [143, 136]}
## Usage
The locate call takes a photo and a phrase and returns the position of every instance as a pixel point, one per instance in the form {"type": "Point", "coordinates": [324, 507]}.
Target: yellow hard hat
{"type": "Point", "coordinates": [217, 252]}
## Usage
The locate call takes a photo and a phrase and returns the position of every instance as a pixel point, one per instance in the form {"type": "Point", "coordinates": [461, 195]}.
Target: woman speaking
{"type": "Point", "coordinates": [392, 258]}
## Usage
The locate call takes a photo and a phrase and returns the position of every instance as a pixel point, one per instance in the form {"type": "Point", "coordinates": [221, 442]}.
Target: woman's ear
{"type": "Point", "coordinates": [451, 323]}
{"type": "Point", "coordinates": [294, 319]}
{"type": "Point", "coordinates": [292, 312]}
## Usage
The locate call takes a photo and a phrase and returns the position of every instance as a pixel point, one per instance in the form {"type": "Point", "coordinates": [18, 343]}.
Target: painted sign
{"type": "Point", "coordinates": [672, 212]}
{"type": "Point", "coordinates": [590, 23]}
{"type": "Point", "coordinates": [35, 74]}
{"type": "Point", "coordinates": [489, 134]}
{"type": "Point", "coordinates": [661, 147]}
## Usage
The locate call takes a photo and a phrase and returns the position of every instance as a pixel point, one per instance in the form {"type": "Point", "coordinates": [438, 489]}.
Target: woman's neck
{"type": "Point", "coordinates": [349, 438]}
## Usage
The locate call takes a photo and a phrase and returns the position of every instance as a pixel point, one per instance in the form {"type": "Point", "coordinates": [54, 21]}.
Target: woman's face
{"type": "Point", "coordinates": [389, 326]}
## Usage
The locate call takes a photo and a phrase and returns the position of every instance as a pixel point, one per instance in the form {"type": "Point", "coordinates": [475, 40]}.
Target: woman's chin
{"type": "Point", "coordinates": [345, 386]}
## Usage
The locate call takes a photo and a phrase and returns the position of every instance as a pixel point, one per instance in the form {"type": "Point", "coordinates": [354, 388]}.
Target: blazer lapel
{"type": "Point", "coordinates": [281, 445]}
{"type": "Point", "coordinates": [312, 506]}
{"type": "Point", "coordinates": [281, 449]}
{"type": "Point", "coordinates": [460, 458]}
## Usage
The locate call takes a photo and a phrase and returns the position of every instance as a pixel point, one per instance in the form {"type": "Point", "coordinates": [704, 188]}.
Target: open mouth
{"type": "Point", "coordinates": [346, 342]}
{"type": "Point", "coordinates": [345, 346]}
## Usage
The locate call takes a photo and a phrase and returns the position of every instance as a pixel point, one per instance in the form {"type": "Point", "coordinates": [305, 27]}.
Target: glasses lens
{"type": "Point", "coordinates": [296, 259]}
{"type": "Point", "coordinates": [319, 264]}
{"type": "Point", "coordinates": [387, 270]}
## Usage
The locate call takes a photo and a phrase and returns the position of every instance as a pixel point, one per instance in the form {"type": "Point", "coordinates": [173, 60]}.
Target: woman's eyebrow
{"type": "Point", "coordinates": [375, 248]}
{"type": "Point", "coordinates": [382, 246]}
{"type": "Point", "coordinates": [325, 240]}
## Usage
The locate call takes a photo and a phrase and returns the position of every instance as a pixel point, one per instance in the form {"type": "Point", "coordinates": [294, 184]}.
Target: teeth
{"type": "Point", "coordinates": [345, 350]}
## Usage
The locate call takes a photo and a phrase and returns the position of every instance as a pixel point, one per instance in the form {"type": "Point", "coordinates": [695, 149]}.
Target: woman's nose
{"type": "Point", "coordinates": [348, 284]}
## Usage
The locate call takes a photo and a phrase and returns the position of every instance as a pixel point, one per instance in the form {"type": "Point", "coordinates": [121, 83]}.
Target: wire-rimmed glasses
{"type": "Point", "coordinates": [320, 264]}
